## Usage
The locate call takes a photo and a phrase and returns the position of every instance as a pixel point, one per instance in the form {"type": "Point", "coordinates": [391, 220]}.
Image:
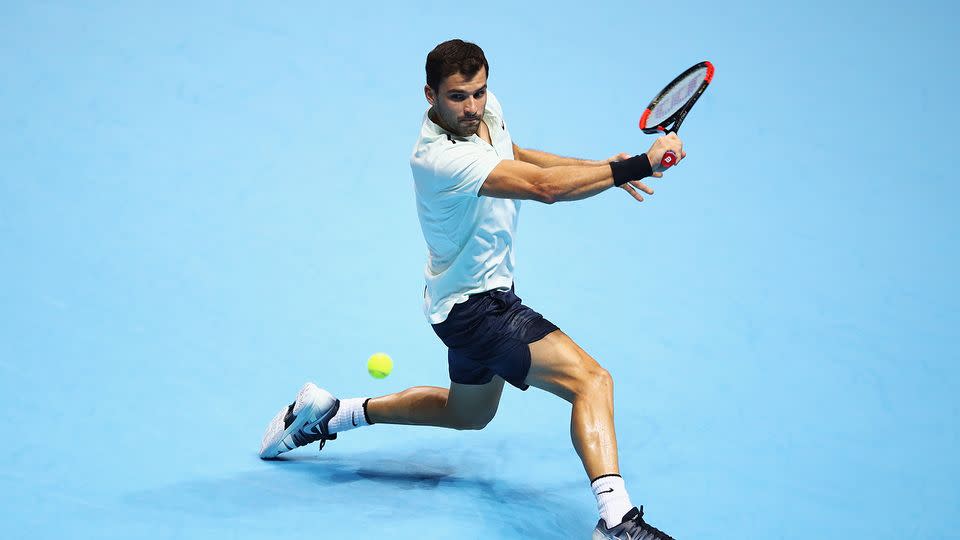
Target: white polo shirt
{"type": "Point", "coordinates": [469, 237]}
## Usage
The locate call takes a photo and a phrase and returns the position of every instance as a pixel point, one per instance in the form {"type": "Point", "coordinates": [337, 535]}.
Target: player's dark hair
{"type": "Point", "coordinates": [454, 56]}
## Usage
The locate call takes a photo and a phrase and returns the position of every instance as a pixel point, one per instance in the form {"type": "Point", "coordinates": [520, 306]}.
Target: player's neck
{"type": "Point", "coordinates": [484, 132]}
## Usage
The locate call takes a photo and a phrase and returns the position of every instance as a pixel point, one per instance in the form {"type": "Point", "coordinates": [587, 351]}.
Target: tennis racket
{"type": "Point", "coordinates": [667, 111]}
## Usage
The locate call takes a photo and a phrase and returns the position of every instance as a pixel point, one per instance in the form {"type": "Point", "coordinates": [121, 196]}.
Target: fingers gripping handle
{"type": "Point", "coordinates": [669, 159]}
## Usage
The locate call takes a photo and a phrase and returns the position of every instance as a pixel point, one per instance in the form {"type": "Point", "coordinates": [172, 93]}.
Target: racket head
{"type": "Point", "coordinates": [673, 102]}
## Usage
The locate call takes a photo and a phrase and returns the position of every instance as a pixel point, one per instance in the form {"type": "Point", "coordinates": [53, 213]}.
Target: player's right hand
{"type": "Point", "coordinates": [661, 146]}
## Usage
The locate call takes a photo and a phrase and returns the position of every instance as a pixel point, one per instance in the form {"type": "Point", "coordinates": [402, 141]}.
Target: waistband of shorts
{"type": "Point", "coordinates": [472, 299]}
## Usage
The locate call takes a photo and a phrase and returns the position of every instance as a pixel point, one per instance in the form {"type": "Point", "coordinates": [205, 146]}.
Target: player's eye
{"type": "Point", "coordinates": [458, 97]}
{"type": "Point", "coordinates": [479, 94]}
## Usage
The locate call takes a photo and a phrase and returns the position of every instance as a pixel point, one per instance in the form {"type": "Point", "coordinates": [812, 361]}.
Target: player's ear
{"type": "Point", "coordinates": [428, 92]}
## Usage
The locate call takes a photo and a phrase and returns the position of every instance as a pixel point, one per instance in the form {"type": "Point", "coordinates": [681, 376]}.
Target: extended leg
{"type": "Point", "coordinates": [463, 406]}
{"type": "Point", "coordinates": [315, 415]}
{"type": "Point", "coordinates": [561, 367]}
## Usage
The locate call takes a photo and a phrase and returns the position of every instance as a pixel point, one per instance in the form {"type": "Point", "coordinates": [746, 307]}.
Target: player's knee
{"type": "Point", "coordinates": [604, 380]}
{"type": "Point", "coordinates": [594, 380]}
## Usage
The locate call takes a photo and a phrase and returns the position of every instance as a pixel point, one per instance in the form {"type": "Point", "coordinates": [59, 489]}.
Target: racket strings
{"type": "Point", "coordinates": [675, 97]}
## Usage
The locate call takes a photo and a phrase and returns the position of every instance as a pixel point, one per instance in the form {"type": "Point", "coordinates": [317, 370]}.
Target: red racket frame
{"type": "Point", "coordinates": [677, 118]}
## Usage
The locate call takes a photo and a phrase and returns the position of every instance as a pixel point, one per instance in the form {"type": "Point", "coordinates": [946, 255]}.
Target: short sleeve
{"type": "Point", "coordinates": [461, 167]}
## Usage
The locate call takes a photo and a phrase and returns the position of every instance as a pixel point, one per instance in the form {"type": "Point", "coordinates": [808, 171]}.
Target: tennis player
{"type": "Point", "coordinates": [470, 179]}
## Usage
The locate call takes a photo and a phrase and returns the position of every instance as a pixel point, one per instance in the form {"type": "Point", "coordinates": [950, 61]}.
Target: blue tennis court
{"type": "Point", "coordinates": [204, 205]}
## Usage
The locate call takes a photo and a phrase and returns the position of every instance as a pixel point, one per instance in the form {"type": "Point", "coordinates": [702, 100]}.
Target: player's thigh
{"type": "Point", "coordinates": [559, 366]}
{"type": "Point", "coordinates": [474, 404]}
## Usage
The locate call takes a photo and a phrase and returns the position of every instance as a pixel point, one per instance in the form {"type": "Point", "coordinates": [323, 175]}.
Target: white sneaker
{"type": "Point", "coordinates": [302, 422]}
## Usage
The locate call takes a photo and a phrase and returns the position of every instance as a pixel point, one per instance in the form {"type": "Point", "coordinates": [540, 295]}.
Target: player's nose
{"type": "Point", "coordinates": [470, 105]}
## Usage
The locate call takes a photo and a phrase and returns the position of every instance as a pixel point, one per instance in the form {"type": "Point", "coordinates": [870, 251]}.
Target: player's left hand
{"type": "Point", "coordinates": [632, 186]}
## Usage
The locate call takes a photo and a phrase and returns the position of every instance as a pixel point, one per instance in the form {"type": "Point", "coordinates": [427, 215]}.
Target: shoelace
{"type": "Point", "coordinates": [323, 440]}
{"type": "Point", "coordinates": [302, 438]}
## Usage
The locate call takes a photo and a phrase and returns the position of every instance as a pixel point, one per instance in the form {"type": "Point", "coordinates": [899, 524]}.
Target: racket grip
{"type": "Point", "coordinates": [669, 159]}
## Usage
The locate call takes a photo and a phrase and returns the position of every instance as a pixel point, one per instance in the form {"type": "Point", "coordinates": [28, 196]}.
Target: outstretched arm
{"type": "Point", "coordinates": [546, 159]}
{"type": "Point", "coordinates": [513, 179]}
{"type": "Point", "coordinates": [517, 179]}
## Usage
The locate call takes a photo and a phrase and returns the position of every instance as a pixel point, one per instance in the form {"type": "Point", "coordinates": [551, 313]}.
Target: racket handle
{"type": "Point", "coordinates": [669, 159]}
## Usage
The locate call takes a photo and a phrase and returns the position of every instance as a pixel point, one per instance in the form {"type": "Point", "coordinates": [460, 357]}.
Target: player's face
{"type": "Point", "coordinates": [460, 102]}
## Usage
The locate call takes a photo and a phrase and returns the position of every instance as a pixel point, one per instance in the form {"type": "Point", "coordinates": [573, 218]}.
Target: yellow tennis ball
{"type": "Point", "coordinates": [379, 365]}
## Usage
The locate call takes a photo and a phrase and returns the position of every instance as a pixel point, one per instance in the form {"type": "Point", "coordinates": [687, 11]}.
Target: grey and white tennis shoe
{"type": "Point", "coordinates": [633, 527]}
{"type": "Point", "coordinates": [302, 422]}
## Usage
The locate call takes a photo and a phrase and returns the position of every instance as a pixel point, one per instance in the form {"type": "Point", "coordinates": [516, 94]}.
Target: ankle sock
{"type": "Point", "coordinates": [613, 501]}
{"type": "Point", "coordinates": [352, 414]}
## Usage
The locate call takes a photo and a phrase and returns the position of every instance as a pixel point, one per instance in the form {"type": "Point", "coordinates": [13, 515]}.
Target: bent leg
{"type": "Point", "coordinates": [462, 406]}
{"type": "Point", "coordinates": [561, 367]}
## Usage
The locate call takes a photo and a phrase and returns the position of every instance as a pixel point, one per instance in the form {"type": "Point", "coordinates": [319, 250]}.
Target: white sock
{"type": "Point", "coordinates": [352, 414]}
{"type": "Point", "coordinates": [612, 498]}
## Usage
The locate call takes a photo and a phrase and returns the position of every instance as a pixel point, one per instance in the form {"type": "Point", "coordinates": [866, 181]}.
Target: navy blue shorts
{"type": "Point", "coordinates": [488, 335]}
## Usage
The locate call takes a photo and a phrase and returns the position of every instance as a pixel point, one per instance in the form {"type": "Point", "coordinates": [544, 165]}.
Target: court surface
{"type": "Point", "coordinates": [202, 206]}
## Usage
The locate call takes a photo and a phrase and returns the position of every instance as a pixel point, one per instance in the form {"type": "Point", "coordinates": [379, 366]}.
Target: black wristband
{"type": "Point", "coordinates": [365, 415]}
{"type": "Point", "coordinates": [633, 168]}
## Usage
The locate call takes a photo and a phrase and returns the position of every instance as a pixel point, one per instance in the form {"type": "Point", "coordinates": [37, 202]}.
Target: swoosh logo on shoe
{"type": "Point", "coordinates": [313, 428]}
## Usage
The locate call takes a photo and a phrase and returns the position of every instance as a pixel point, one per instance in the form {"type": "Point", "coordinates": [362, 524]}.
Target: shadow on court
{"type": "Point", "coordinates": [426, 490]}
